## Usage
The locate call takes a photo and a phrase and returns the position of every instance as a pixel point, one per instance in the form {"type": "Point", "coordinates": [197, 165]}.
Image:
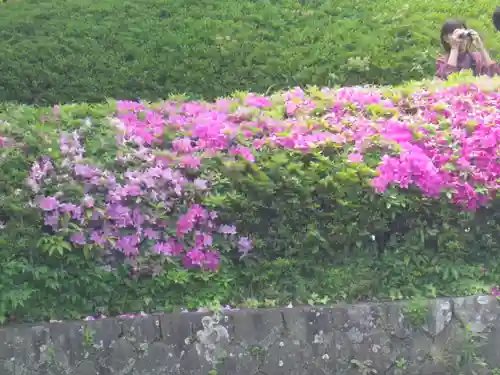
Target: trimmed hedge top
{"type": "Point", "coordinates": [82, 50]}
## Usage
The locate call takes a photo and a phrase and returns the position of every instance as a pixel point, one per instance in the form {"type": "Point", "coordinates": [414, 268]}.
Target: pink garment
{"type": "Point", "coordinates": [466, 60]}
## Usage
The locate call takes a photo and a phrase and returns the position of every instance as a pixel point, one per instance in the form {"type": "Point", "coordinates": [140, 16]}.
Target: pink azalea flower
{"type": "Point", "coordinates": [194, 258]}
{"type": "Point", "coordinates": [258, 101]}
{"type": "Point", "coordinates": [495, 291]}
{"type": "Point", "coordinates": [212, 260]}
{"type": "Point", "coordinates": [355, 158]}
{"type": "Point", "coordinates": [88, 201]}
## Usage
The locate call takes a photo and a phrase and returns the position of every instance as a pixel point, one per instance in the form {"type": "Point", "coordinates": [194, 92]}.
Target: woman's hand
{"type": "Point", "coordinates": [456, 39]}
{"type": "Point", "coordinates": [476, 40]}
{"type": "Point", "coordinates": [478, 43]}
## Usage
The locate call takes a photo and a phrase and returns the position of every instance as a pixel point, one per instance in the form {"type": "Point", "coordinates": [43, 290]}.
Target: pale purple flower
{"type": "Point", "coordinates": [211, 261]}
{"type": "Point", "coordinates": [128, 245]}
{"type": "Point", "coordinates": [85, 171]}
{"type": "Point", "coordinates": [227, 229]}
{"type": "Point", "coordinates": [244, 246]}
{"type": "Point", "coordinates": [169, 248]}
{"type": "Point", "coordinates": [67, 208]}
{"type": "Point", "coordinates": [131, 190]}
{"type": "Point", "coordinates": [52, 220]}
{"type": "Point", "coordinates": [183, 145]}
{"type": "Point", "coordinates": [200, 184]}
{"type": "Point", "coordinates": [48, 203]}
{"type": "Point", "coordinates": [74, 210]}
{"type": "Point", "coordinates": [78, 239]}
{"type": "Point", "coordinates": [151, 234]}
{"type": "Point", "coordinates": [203, 239]}
{"type": "Point", "coordinates": [162, 248]}
{"type": "Point", "coordinates": [120, 214]}
{"type": "Point", "coordinates": [137, 218]}
{"type": "Point", "coordinates": [77, 213]}
{"type": "Point", "coordinates": [98, 238]}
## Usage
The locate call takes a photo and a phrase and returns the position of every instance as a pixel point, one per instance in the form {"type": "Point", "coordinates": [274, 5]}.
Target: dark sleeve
{"type": "Point", "coordinates": [443, 69]}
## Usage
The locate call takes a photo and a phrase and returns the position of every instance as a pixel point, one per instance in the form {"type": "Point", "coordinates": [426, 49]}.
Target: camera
{"type": "Point", "coordinates": [466, 34]}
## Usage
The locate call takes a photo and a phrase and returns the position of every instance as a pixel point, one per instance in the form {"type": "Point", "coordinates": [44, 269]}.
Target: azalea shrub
{"type": "Point", "coordinates": [311, 195]}
{"type": "Point", "coordinates": [139, 206]}
{"type": "Point", "coordinates": [306, 163]}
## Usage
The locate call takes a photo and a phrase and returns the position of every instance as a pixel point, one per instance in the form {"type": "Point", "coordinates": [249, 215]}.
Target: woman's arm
{"type": "Point", "coordinates": [487, 61]}
{"type": "Point", "coordinates": [488, 66]}
{"type": "Point", "coordinates": [447, 65]}
{"type": "Point", "coordinates": [453, 57]}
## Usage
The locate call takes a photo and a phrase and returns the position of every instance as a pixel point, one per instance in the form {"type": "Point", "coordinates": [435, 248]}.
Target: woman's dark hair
{"type": "Point", "coordinates": [448, 28]}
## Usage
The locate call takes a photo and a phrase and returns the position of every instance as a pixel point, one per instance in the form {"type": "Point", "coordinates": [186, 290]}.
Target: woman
{"type": "Point", "coordinates": [457, 42]}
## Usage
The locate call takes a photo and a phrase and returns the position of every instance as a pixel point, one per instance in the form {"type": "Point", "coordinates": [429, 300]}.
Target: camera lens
{"type": "Point", "coordinates": [465, 34]}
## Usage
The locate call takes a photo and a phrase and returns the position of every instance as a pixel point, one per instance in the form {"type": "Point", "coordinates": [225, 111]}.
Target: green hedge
{"type": "Point", "coordinates": [81, 50]}
{"type": "Point", "coordinates": [311, 216]}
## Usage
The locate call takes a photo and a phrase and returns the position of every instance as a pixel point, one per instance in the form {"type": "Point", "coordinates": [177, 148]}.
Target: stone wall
{"type": "Point", "coordinates": [446, 336]}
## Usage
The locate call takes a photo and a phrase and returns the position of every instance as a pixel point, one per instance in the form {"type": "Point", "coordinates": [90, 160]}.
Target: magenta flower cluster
{"type": "Point", "coordinates": [450, 145]}
{"type": "Point", "coordinates": [142, 206]}
{"type": "Point", "coordinates": [443, 140]}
